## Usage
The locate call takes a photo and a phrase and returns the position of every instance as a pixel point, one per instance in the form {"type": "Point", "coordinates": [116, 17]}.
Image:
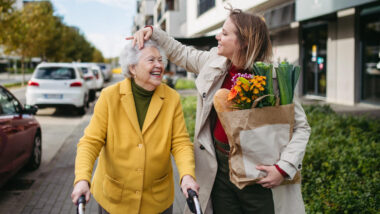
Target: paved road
{"type": "Point", "coordinates": [48, 189]}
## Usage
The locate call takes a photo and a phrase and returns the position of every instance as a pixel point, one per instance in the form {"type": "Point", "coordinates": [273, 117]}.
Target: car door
{"type": "Point", "coordinates": [15, 131]}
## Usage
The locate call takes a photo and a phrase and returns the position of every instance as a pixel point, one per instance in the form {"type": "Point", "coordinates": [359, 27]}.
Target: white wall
{"type": "Point", "coordinates": [345, 60]}
{"type": "Point", "coordinates": [286, 46]}
{"type": "Point", "coordinates": [213, 18]}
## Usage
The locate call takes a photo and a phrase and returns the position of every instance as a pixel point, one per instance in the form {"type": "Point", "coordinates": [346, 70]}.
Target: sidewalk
{"type": "Point", "coordinates": [6, 78]}
{"type": "Point", "coordinates": [52, 192]}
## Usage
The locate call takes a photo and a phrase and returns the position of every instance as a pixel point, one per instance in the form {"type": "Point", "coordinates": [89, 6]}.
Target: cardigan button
{"type": "Point", "coordinates": [202, 147]}
{"type": "Point", "coordinates": [299, 166]}
{"type": "Point", "coordinates": [204, 95]}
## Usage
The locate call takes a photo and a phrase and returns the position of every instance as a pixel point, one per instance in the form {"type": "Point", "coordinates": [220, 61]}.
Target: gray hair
{"type": "Point", "coordinates": [130, 56]}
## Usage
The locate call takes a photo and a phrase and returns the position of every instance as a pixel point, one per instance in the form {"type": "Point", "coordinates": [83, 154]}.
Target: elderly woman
{"type": "Point", "coordinates": [137, 124]}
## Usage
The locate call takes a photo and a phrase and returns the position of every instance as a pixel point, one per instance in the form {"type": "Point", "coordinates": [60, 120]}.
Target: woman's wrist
{"type": "Point", "coordinates": [150, 26]}
{"type": "Point", "coordinates": [282, 172]}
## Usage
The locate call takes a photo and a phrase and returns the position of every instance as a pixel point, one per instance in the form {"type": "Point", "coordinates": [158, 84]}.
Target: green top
{"type": "Point", "coordinates": [142, 99]}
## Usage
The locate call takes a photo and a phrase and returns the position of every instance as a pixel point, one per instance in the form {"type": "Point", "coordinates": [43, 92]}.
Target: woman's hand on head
{"type": "Point", "coordinates": [80, 188]}
{"type": "Point", "coordinates": [273, 178]}
{"type": "Point", "coordinates": [188, 182]}
{"type": "Point", "coordinates": [141, 36]}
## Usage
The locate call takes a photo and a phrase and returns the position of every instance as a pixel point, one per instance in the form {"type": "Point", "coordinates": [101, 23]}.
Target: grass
{"type": "Point", "coordinates": [14, 85]}
{"type": "Point", "coordinates": [182, 84]}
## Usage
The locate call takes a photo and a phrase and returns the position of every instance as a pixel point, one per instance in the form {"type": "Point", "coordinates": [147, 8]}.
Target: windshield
{"type": "Point", "coordinates": [63, 73]}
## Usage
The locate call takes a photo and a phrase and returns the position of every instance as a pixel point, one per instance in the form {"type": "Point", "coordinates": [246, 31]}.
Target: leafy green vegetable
{"type": "Point", "coordinates": [287, 77]}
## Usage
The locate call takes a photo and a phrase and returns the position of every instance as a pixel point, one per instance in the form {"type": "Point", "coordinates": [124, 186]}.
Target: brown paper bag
{"type": "Point", "coordinates": [256, 136]}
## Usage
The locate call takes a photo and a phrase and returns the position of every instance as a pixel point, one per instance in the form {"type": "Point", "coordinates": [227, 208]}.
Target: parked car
{"type": "Point", "coordinates": [20, 136]}
{"type": "Point", "coordinates": [106, 71]}
{"type": "Point", "coordinates": [99, 76]}
{"type": "Point", "coordinates": [58, 85]}
{"type": "Point", "coordinates": [89, 78]}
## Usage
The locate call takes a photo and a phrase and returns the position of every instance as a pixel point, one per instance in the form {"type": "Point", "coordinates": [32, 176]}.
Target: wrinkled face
{"type": "Point", "coordinates": [149, 70]}
{"type": "Point", "coordinates": [228, 43]}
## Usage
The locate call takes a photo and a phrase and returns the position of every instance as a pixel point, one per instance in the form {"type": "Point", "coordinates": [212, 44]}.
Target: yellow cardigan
{"type": "Point", "coordinates": [134, 172]}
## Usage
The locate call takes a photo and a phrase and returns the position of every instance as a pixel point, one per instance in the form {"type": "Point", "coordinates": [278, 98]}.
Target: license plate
{"type": "Point", "coordinates": [53, 96]}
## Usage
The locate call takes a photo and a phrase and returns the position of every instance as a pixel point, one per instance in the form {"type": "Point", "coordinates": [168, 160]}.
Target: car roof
{"type": "Point", "coordinates": [57, 64]}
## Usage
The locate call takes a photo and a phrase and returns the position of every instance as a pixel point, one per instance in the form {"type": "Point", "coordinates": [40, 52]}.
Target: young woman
{"type": "Point", "coordinates": [243, 41]}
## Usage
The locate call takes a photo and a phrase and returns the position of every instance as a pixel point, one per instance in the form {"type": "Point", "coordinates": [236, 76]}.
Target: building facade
{"type": "Point", "coordinates": [336, 42]}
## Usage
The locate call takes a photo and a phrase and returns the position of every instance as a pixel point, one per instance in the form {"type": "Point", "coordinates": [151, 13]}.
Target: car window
{"type": "Point", "coordinates": [8, 104]}
{"type": "Point", "coordinates": [84, 70]}
{"type": "Point", "coordinates": [55, 73]}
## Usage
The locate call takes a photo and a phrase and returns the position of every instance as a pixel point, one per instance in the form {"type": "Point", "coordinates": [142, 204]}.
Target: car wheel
{"type": "Point", "coordinates": [82, 109]}
{"type": "Point", "coordinates": [35, 157]}
{"type": "Point", "coordinates": [92, 95]}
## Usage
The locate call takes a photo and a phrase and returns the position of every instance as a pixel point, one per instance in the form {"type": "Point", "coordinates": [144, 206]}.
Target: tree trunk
{"type": "Point", "coordinates": [23, 71]}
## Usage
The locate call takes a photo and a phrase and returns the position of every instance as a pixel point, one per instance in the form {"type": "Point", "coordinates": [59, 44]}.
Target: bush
{"type": "Point", "coordinates": [185, 84]}
{"type": "Point", "coordinates": [341, 165]}
{"type": "Point", "coordinates": [189, 105]}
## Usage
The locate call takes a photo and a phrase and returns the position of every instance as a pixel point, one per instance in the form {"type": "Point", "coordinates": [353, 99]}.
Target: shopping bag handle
{"type": "Point", "coordinates": [254, 104]}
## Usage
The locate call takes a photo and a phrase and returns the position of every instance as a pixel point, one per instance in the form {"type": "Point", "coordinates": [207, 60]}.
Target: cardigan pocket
{"type": "Point", "coordinates": [161, 188]}
{"type": "Point", "coordinates": [112, 189]}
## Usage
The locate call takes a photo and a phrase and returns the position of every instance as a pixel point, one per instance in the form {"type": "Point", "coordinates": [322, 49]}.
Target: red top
{"type": "Point", "coordinates": [219, 132]}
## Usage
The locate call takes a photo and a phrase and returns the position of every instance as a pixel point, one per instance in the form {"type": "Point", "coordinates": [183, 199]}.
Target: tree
{"type": "Point", "coordinates": [6, 10]}
{"type": "Point", "coordinates": [28, 31]}
{"type": "Point", "coordinates": [97, 56]}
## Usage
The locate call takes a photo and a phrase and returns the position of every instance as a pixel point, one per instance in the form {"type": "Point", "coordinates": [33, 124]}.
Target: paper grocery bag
{"type": "Point", "coordinates": [256, 136]}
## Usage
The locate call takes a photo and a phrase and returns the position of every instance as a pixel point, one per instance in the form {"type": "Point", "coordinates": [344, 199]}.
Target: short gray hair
{"type": "Point", "coordinates": [130, 56]}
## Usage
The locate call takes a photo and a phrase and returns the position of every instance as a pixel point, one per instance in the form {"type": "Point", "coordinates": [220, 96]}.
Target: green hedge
{"type": "Point", "coordinates": [184, 84]}
{"type": "Point", "coordinates": [189, 105]}
{"type": "Point", "coordinates": [341, 165]}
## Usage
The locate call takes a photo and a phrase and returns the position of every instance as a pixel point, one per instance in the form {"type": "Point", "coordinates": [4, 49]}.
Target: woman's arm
{"type": "Point", "coordinates": [187, 57]}
{"type": "Point", "coordinates": [292, 156]}
{"type": "Point", "coordinates": [92, 142]}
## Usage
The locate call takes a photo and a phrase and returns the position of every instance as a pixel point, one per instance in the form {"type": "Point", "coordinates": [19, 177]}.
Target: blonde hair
{"type": "Point", "coordinates": [253, 37]}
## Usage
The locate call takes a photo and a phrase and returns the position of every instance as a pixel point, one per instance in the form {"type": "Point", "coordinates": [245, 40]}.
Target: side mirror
{"type": "Point", "coordinates": [29, 109]}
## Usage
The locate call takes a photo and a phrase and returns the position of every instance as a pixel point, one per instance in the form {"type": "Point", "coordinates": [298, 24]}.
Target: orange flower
{"type": "Point", "coordinates": [255, 91]}
{"type": "Point", "coordinates": [246, 87]}
{"type": "Point", "coordinates": [261, 88]}
{"type": "Point", "coordinates": [232, 94]}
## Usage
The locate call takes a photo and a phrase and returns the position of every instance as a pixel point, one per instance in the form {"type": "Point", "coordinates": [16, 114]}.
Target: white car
{"type": "Point", "coordinates": [99, 76]}
{"type": "Point", "coordinates": [106, 71]}
{"type": "Point", "coordinates": [89, 78]}
{"type": "Point", "coordinates": [57, 85]}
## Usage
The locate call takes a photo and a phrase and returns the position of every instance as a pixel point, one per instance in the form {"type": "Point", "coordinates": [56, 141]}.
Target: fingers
{"type": "Point", "coordinates": [81, 188]}
{"type": "Point", "coordinates": [148, 35]}
{"type": "Point", "coordinates": [129, 38]}
{"type": "Point", "coordinates": [262, 168]}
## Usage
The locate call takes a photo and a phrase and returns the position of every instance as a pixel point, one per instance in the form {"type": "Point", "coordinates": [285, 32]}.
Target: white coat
{"type": "Point", "coordinates": [212, 70]}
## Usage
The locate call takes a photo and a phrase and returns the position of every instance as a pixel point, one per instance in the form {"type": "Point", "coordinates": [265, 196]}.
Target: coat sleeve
{"type": "Point", "coordinates": [92, 141]}
{"type": "Point", "coordinates": [181, 147]}
{"type": "Point", "coordinates": [292, 156]}
{"type": "Point", "coordinates": [184, 56]}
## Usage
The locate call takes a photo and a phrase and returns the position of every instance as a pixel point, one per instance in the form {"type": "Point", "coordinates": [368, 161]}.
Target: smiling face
{"type": "Point", "coordinates": [228, 44]}
{"type": "Point", "coordinates": [149, 70]}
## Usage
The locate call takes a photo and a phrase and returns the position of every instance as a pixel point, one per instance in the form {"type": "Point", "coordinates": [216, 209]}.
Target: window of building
{"type": "Point", "coordinates": [205, 5]}
{"type": "Point", "coordinates": [370, 43]}
{"type": "Point", "coordinates": [169, 5]}
{"type": "Point", "coordinates": [149, 20]}
{"type": "Point", "coordinates": [314, 39]}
